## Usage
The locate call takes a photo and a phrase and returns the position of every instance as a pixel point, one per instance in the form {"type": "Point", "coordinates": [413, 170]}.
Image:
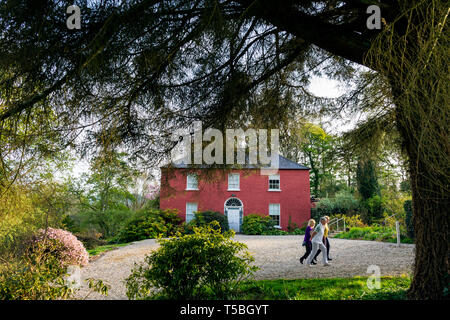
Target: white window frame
{"type": "Point", "coordinates": [191, 215]}
{"type": "Point", "coordinates": [271, 205]}
{"type": "Point", "coordinates": [188, 187]}
{"type": "Point", "coordinates": [238, 182]}
{"type": "Point", "coordinates": [271, 177]}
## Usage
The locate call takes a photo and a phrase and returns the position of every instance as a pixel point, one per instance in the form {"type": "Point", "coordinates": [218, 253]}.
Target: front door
{"type": "Point", "coordinates": [233, 218]}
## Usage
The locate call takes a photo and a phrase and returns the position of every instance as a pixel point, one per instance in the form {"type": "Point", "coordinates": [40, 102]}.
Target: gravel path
{"type": "Point", "coordinates": [277, 257]}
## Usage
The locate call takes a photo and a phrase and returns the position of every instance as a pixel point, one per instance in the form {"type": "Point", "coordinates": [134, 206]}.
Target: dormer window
{"type": "Point", "coordinates": [192, 182]}
{"type": "Point", "coordinates": [274, 182]}
{"type": "Point", "coordinates": [233, 182]}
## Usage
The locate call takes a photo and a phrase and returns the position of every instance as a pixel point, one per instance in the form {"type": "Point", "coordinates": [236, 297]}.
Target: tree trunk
{"type": "Point", "coordinates": [430, 218]}
{"type": "Point", "coordinates": [416, 64]}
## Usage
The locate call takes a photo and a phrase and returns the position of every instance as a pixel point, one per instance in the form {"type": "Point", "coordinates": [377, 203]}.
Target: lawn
{"type": "Point", "coordinates": [392, 288]}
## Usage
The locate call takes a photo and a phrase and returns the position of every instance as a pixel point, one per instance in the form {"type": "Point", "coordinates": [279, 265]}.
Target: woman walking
{"type": "Point", "coordinates": [317, 238]}
{"type": "Point", "coordinates": [307, 240]}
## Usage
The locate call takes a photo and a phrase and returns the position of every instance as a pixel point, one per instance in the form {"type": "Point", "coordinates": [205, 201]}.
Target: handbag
{"type": "Point", "coordinates": [304, 243]}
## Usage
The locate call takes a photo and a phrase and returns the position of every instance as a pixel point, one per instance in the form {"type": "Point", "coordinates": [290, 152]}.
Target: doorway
{"type": "Point", "coordinates": [234, 210]}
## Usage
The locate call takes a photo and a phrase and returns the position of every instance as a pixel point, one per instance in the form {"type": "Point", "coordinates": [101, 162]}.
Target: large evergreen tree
{"type": "Point", "coordinates": [147, 67]}
{"type": "Point", "coordinates": [366, 178]}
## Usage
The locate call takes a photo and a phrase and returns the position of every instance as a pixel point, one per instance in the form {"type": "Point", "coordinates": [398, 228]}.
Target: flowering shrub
{"type": "Point", "coordinates": [31, 270]}
{"type": "Point", "coordinates": [350, 221]}
{"type": "Point", "coordinates": [152, 192]}
{"type": "Point", "coordinates": [69, 250]}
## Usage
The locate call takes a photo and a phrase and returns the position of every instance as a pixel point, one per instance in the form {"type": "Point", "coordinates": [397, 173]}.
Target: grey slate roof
{"type": "Point", "coordinates": [284, 164]}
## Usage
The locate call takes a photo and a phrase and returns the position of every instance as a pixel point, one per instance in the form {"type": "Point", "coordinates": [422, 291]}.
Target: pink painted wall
{"type": "Point", "coordinates": [294, 197]}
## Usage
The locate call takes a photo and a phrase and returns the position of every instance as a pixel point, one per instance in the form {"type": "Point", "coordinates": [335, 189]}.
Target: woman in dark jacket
{"type": "Point", "coordinates": [307, 240]}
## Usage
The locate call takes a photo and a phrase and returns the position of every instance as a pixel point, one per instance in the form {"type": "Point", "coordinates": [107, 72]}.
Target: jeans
{"type": "Point", "coordinates": [327, 245]}
{"type": "Point", "coordinates": [308, 247]}
{"type": "Point", "coordinates": [316, 246]}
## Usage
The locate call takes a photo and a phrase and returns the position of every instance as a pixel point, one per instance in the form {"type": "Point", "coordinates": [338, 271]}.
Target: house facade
{"type": "Point", "coordinates": [239, 192]}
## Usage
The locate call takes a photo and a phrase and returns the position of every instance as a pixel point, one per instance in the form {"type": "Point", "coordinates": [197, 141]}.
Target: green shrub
{"type": "Point", "coordinates": [299, 231]}
{"type": "Point", "coordinates": [256, 224]}
{"type": "Point", "coordinates": [373, 209]}
{"type": "Point", "coordinates": [30, 270]}
{"type": "Point", "coordinates": [171, 219]}
{"type": "Point", "coordinates": [377, 233]}
{"type": "Point", "coordinates": [109, 223]}
{"type": "Point", "coordinates": [206, 217]}
{"type": "Point", "coordinates": [206, 263]}
{"type": "Point", "coordinates": [343, 203]}
{"type": "Point", "coordinates": [90, 239]}
{"type": "Point", "coordinates": [407, 205]}
{"type": "Point", "coordinates": [350, 221]}
{"type": "Point", "coordinates": [150, 224]}
{"type": "Point", "coordinates": [35, 274]}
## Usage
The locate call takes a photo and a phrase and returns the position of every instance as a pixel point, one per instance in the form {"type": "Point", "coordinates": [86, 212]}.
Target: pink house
{"type": "Point", "coordinates": [238, 192]}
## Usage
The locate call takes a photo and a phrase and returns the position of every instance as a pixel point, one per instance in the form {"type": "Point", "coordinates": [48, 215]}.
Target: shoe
{"type": "Point", "coordinates": [301, 260]}
{"type": "Point", "coordinates": [312, 262]}
{"type": "Point", "coordinates": [329, 259]}
{"type": "Point", "coordinates": [326, 264]}
{"type": "Point", "coordinates": [310, 265]}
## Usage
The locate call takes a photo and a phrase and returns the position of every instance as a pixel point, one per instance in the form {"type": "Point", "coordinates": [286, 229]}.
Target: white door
{"type": "Point", "coordinates": [233, 218]}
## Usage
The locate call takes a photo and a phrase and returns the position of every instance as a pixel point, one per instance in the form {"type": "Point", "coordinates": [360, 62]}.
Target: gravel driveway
{"type": "Point", "coordinates": [277, 257]}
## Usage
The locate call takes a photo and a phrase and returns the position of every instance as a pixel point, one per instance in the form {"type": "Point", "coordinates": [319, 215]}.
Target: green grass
{"type": "Point", "coordinates": [392, 288]}
{"type": "Point", "coordinates": [108, 247]}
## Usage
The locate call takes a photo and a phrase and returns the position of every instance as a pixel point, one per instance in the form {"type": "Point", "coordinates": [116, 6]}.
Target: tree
{"type": "Point", "coordinates": [369, 190]}
{"type": "Point", "coordinates": [110, 182]}
{"type": "Point", "coordinates": [129, 64]}
{"type": "Point", "coordinates": [311, 145]}
{"type": "Point", "coordinates": [367, 179]}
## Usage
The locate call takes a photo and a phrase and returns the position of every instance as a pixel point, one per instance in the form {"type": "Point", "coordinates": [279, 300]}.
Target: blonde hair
{"type": "Point", "coordinates": [311, 221]}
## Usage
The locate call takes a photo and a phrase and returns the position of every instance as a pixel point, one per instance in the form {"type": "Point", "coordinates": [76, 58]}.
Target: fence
{"type": "Point", "coordinates": [397, 227]}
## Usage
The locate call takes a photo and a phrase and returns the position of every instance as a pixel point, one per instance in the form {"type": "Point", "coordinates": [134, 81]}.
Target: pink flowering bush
{"type": "Point", "coordinates": [153, 192]}
{"type": "Point", "coordinates": [69, 249]}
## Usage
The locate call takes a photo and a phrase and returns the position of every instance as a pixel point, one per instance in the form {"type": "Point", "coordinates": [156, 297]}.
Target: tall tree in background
{"type": "Point", "coordinates": [367, 180]}
{"type": "Point", "coordinates": [147, 67]}
{"type": "Point", "coordinates": [110, 181]}
{"type": "Point", "coordinates": [369, 190]}
{"type": "Point", "coordinates": [310, 145]}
